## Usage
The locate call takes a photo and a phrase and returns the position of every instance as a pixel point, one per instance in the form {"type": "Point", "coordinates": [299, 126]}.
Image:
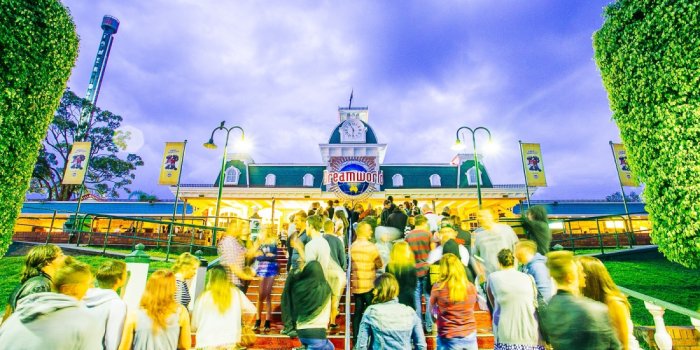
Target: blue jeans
{"type": "Point", "coordinates": [317, 344]}
{"type": "Point", "coordinates": [421, 286]}
{"type": "Point", "coordinates": [461, 343]}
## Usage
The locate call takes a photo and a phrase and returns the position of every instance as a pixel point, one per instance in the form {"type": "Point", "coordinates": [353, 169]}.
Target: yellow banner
{"type": "Point", "coordinates": [77, 163]}
{"type": "Point", "coordinates": [623, 168]}
{"type": "Point", "coordinates": [172, 163]}
{"type": "Point", "coordinates": [533, 165]}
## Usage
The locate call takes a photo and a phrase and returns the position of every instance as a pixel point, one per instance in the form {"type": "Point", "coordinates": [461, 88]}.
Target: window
{"type": "Point", "coordinates": [308, 180]}
{"type": "Point", "coordinates": [397, 180]}
{"type": "Point", "coordinates": [232, 176]}
{"type": "Point", "coordinates": [471, 177]}
{"type": "Point", "coordinates": [270, 180]}
{"type": "Point", "coordinates": [435, 180]}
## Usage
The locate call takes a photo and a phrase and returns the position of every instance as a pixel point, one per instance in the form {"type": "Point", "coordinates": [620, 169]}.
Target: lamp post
{"type": "Point", "coordinates": [210, 145]}
{"type": "Point", "coordinates": [460, 146]}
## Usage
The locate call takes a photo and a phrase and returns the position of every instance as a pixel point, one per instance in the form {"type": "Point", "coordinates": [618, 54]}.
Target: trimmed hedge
{"type": "Point", "coordinates": [38, 48]}
{"type": "Point", "coordinates": [648, 52]}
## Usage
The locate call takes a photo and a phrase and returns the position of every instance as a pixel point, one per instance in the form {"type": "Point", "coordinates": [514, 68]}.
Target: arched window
{"type": "Point", "coordinates": [435, 180]}
{"type": "Point", "coordinates": [397, 180]}
{"type": "Point", "coordinates": [471, 177]}
{"type": "Point", "coordinates": [270, 180]}
{"type": "Point", "coordinates": [308, 180]}
{"type": "Point", "coordinates": [232, 176]}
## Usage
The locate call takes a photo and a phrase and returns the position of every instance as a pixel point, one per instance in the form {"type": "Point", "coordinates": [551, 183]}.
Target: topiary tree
{"type": "Point", "coordinates": [38, 47]}
{"type": "Point", "coordinates": [648, 52]}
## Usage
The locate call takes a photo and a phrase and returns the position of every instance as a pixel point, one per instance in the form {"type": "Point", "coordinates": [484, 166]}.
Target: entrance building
{"type": "Point", "coordinates": [352, 170]}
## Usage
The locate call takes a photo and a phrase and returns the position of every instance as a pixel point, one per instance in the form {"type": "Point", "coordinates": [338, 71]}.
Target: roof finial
{"type": "Point", "coordinates": [350, 104]}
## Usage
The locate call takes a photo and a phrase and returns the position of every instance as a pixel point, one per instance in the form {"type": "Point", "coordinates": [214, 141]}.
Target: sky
{"type": "Point", "coordinates": [280, 69]}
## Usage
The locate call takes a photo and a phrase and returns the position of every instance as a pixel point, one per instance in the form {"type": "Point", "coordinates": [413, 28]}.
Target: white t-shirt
{"type": "Point", "coordinates": [488, 243]}
{"type": "Point", "coordinates": [436, 254]}
{"type": "Point", "coordinates": [216, 329]}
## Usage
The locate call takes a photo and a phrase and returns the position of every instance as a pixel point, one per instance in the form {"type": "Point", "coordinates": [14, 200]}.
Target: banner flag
{"type": "Point", "coordinates": [623, 169]}
{"type": "Point", "coordinates": [533, 165]}
{"type": "Point", "coordinates": [172, 163]}
{"type": "Point", "coordinates": [77, 163]}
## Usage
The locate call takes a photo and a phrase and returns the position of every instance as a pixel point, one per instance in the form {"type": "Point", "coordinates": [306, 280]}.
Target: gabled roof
{"type": "Point", "coordinates": [108, 208]}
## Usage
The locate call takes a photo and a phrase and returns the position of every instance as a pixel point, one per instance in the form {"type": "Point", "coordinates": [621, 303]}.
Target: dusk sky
{"type": "Point", "coordinates": [280, 69]}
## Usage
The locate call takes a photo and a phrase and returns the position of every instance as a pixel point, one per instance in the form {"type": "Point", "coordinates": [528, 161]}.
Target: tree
{"type": "Point", "coordinates": [107, 173]}
{"type": "Point", "coordinates": [648, 53]}
{"type": "Point", "coordinates": [617, 197]}
{"type": "Point", "coordinates": [38, 47]}
{"type": "Point", "coordinates": [142, 196]}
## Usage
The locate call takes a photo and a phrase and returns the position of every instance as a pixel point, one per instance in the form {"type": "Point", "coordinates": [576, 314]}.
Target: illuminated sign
{"type": "Point", "coordinates": [353, 177]}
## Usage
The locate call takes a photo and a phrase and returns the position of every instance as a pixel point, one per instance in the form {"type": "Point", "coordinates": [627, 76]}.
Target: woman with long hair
{"type": "Point", "coordinates": [402, 264]}
{"type": "Point", "coordinates": [311, 297]}
{"type": "Point", "coordinates": [600, 286]}
{"type": "Point", "coordinates": [265, 249]}
{"type": "Point", "coordinates": [513, 295]}
{"type": "Point", "coordinates": [40, 266]}
{"type": "Point", "coordinates": [388, 323]}
{"type": "Point", "coordinates": [454, 297]}
{"type": "Point", "coordinates": [184, 267]}
{"type": "Point", "coordinates": [160, 323]}
{"type": "Point", "coordinates": [341, 224]}
{"type": "Point", "coordinates": [537, 228]}
{"type": "Point", "coordinates": [219, 311]}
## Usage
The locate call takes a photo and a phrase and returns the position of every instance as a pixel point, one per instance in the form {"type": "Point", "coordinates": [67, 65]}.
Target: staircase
{"type": "Point", "coordinates": [275, 340]}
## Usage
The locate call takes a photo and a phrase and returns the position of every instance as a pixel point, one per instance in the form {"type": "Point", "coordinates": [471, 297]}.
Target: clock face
{"type": "Point", "coordinates": [353, 130]}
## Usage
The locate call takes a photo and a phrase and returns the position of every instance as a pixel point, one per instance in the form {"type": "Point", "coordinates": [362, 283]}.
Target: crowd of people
{"type": "Point", "coordinates": [411, 273]}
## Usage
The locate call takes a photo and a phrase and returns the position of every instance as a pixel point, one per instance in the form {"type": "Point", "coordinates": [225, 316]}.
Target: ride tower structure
{"type": "Point", "coordinates": [110, 25]}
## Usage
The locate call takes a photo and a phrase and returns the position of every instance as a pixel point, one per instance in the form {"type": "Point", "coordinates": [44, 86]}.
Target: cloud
{"type": "Point", "coordinates": [280, 69]}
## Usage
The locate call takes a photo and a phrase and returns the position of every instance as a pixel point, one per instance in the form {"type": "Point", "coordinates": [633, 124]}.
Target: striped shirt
{"type": "Point", "coordinates": [454, 319]}
{"type": "Point", "coordinates": [182, 293]}
{"type": "Point", "coordinates": [419, 241]}
{"type": "Point", "coordinates": [365, 262]}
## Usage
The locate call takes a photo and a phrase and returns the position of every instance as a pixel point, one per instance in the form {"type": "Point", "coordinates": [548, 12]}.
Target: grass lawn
{"type": "Point", "coordinates": [10, 268]}
{"type": "Point", "coordinates": [653, 275]}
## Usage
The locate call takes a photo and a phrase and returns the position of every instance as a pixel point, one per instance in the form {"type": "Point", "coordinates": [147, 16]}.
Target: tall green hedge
{"type": "Point", "coordinates": [38, 47]}
{"type": "Point", "coordinates": [648, 52]}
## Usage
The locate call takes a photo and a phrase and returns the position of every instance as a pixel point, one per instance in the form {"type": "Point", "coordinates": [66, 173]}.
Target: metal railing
{"type": "Point", "coordinates": [656, 308]}
{"type": "Point", "coordinates": [574, 231]}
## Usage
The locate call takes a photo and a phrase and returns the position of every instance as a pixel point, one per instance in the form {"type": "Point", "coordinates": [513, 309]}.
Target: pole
{"type": "Point", "coordinates": [527, 188]}
{"type": "Point", "coordinates": [77, 211]}
{"type": "Point", "coordinates": [478, 172]}
{"type": "Point", "coordinates": [177, 195]}
{"type": "Point", "coordinates": [348, 330]}
{"type": "Point", "coordinates": [624, 199]}
{"type": "Point", "coordinates": [221, 188]}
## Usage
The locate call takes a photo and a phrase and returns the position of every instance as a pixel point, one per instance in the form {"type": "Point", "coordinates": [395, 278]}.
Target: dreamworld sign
{"type": "Point", "coordinates": [353, 177]}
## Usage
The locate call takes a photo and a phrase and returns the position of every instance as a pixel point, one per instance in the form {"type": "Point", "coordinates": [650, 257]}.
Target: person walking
{"type": "Point", "coordinates": [491, 238]}
{"type": "Point", "coordinates": [419, 239]}
{"type": "Point", "coordinates": [311, 296]}
{"type": "Point", "coordinates": [295, 249]}
{"type": "Point", "coordinates": [454, 298]}
{"type": "Point", "coordinates": [402, 264]}
{"type": "Point", "coordinates": [106, 305]}
{"type": "Point", "coordinates": [513, 295]}
{"type": "Point", "coordinates": [40, 266]}
{"type": "Point", "coordinates": [535, 265]}
{"type": "Point", "coordinates": [339, 259]}
{"type": "Point", "coordinates": [388, 324]}
{"type": "Point", "coordinates": [265, 249]}
{"type": "Point", "coordinates": [57, 321]}
{"type": "Point", "coordinates": [232, 255]}
{"type": "Point", "coordinates": [365, 262]}
{"type": "Point", "coordinates": [601, 287]}
{"type": "Point", "coordinates": [341, 225]}
{"type": "Point", "coordinates": [184, 268]}
{"type": "Point", "coordinates": [537, 228]}
{"type": "Point", "coordinates": [571, 321]}
{"type": "Point", "coordinates": [160, 323]}
{"type": "Point", "coordinates": [220, 311]}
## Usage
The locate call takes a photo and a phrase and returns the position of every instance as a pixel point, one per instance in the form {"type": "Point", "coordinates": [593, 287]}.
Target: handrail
{"type": "Point", "coordinates": [660, 303]}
